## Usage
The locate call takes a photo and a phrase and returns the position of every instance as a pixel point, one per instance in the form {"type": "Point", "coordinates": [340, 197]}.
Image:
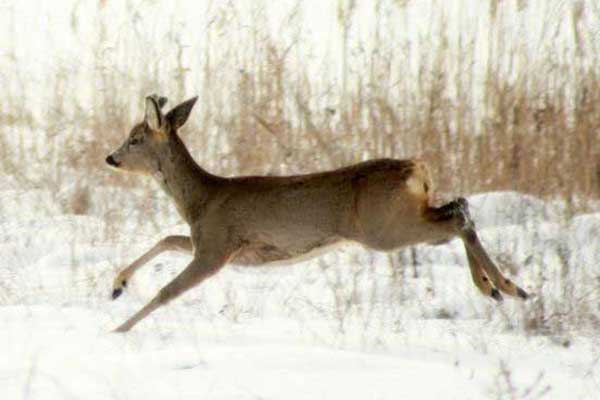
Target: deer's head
{"type": "Point", "coordinates": [148, 140]}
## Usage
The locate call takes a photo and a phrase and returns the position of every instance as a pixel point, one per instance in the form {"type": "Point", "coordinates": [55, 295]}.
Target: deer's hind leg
{"type": "Point", "coordinates": [449, 218]}
{"type": "Point", "coordinates": [170, 243]}
{"type": "Point", "coordinates": [486, 275]}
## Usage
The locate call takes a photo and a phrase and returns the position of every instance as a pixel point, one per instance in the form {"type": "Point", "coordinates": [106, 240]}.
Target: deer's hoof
{"type": "Point", "coordinates": [522, 294]}
{"type": "Point", "coordinates": [118, 287]}
{"type": "Point", "coordinates": [116, 293]}
{"type": "Point", "coordinates": [496, 295]}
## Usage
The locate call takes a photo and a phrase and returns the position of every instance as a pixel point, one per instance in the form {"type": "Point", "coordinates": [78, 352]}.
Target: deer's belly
{"type": "Point", "coordinates": [265, 254]}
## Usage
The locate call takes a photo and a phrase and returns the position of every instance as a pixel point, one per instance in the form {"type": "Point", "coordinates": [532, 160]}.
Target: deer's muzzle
{"type": "Point", "coordinates": [111, 161]}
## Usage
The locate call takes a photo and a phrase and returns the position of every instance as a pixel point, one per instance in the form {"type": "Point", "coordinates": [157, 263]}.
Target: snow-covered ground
{"type": "Point", "coordinates": [352, 325]}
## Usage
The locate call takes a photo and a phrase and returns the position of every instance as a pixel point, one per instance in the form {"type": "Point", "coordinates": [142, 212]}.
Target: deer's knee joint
{"type": "Point", "coordinates": [462, 203]}
{"type": "Point", "coordinates": [464, 223]}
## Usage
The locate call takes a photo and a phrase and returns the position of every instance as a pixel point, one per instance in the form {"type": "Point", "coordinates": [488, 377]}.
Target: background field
{"type": "Point", "coordinates": [502, 98]}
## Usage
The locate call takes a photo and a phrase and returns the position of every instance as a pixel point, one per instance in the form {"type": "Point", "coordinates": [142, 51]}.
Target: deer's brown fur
{"type": "Point", "coordinates": [255, 220]}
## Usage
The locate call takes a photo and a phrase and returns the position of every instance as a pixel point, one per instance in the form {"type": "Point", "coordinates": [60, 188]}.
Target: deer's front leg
{"type": "Point", "coordinates": [203, 266]}
{"type": "Point", "coordinates": [170, 243]}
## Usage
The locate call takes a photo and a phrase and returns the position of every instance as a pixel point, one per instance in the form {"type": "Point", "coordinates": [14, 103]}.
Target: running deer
{"type": "Point", "coordinates": [256, 220]}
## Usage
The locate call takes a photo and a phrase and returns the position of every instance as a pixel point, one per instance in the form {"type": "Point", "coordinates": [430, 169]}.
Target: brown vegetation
{"type": "Point", "coordinates": [532, 125]}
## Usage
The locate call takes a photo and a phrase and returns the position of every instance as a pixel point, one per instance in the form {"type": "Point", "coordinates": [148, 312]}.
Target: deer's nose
{"type": "Point", "coordinates": [111, 161]}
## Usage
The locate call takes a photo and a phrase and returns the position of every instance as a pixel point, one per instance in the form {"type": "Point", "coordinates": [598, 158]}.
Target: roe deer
{"type": "Point", "coordinates": [253, 220]}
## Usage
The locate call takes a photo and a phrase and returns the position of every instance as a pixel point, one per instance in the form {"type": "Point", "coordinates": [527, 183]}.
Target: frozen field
{"type": "Point", "coordinates": [348, 325]}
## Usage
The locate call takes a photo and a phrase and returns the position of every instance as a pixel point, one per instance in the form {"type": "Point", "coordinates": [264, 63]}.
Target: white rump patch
{"type": "Point", "coordinates": [415, 185]}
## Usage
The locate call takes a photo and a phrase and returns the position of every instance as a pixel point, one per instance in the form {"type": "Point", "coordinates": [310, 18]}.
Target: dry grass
{"type": "Point", "coordinates": [532, 125]}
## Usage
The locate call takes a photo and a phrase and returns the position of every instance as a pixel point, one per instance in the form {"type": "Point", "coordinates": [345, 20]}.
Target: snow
{"type": "Point", "coordinates": [65, 352]}
{"type": "Point", "coordinates": [340, 326]}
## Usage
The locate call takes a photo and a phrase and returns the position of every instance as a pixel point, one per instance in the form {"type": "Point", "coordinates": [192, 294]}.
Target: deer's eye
{"type": "Point", "coordinates": [135, 141]}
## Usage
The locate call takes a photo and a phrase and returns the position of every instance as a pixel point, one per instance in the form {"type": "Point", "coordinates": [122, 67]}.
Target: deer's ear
{"type": "Point", "coordinates": [153, 116]}
{"type": "Point", "coordinates": [177, 116]}
{"type": "Point", "coordinates": [162, 101]}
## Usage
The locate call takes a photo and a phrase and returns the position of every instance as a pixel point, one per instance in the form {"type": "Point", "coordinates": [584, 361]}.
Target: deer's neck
{"type": "Point", "coordinates": [183, 179]}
